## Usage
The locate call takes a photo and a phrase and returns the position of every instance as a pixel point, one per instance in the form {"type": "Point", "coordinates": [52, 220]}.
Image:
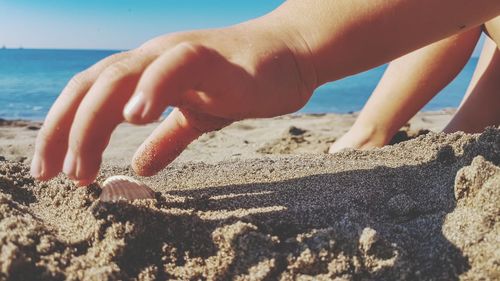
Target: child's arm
{"type": "Point", "coordinates": [265, 67]}
{"type": "Point", "coordinates": [409, 83]}
{"type": "Point", "coordinates": [479, 107]}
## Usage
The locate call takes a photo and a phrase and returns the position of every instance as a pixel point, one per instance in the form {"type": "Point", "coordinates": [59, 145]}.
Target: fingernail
{"type": "Point", "coordinates": [134, 108]}
{"type": "Point", "coordinates": [69, 167]}
{"type": "Point", "coordinates": [36, 167]}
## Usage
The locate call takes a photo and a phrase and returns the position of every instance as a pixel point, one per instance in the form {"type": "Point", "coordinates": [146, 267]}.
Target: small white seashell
{"type": "Point", "coordinates": [126, 188]}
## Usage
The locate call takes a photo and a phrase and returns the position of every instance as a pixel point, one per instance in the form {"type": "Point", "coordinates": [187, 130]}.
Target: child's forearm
{"type": "Point", "coordinates": [343, 37]}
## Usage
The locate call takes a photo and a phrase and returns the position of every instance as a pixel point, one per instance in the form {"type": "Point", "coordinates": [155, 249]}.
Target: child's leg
{"type": "Point", "coordinates": [407, 85]}
{"type": "Point", "coordinates": [480, 106]}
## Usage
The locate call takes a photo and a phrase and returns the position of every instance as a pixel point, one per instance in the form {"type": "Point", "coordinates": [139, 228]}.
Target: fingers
{"type": "Point", "coordinates": [98, 114]}
{"type": "Point", "coordinates": [169, 139]}
{"type": "Point", "coordinates": [51, 143]}
{"type": "Point", "coordinates": [181, 77]}
{"type": "Point", "coordinates": [79, 125]}
{"type": "Point", "coordinates": [163, 83]}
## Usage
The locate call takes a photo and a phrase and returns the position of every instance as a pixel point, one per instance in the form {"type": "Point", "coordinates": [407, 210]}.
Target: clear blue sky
{"type": "Point", "coordinates": [115, 24]}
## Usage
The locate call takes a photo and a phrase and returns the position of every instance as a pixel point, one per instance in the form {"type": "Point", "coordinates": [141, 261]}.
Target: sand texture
{"type": "Point", "coordinates": [423, 209]}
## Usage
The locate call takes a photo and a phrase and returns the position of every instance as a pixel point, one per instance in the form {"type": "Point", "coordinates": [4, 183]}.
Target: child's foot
{"type": "Point", "coordinates": [358, 138]}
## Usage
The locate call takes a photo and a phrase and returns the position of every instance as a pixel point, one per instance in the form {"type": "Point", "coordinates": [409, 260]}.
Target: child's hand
{"type": "Point", "coordinates": [212, 78]}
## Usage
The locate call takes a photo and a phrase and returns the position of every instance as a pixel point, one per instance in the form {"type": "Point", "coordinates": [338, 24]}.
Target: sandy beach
{"type": "Point", "coordinates": [261, 200]}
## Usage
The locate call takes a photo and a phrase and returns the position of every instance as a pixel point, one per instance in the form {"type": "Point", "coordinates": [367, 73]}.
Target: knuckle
{"type": "Point", "coordinates": [77, 146]}
{"type": "Point", "coordinates": [77, 85]}
{"type": "Point", "coordinates": [78, 82]}
{"type": "Point", "coordinates": [118, 56]}
{"type": "Point", "coordinates": [165, 41]}
{"type": "Point", "coordinates": [194, 49]}
{"type": "Point", "coordinates": [149, 45]}
{"type": "Point", "coordinates": [117, 71]}
{"type": "Point", "coordinates": [194, 55]}
{"type": "Point", "coordinates": [102, 64]}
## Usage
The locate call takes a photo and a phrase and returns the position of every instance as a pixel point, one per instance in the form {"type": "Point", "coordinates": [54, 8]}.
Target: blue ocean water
{"type": "Point", "coordinates": [31, 79]}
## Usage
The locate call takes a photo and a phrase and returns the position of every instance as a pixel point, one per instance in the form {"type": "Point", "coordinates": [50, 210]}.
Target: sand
{"type": "Point", "coordinates": [422, 209]}
{"type": "Point", "coordinates": [242, 140]}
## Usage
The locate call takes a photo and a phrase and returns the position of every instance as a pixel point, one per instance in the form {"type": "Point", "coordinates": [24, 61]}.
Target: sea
{"type": "Point", "coordinates": [31, 80]}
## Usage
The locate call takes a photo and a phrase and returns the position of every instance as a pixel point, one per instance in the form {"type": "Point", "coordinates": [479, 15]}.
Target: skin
{"type": "Point", "coordinates": [479, 108]}
{"type": "Point", "coordinates": [408, 84]}
{"type": "Point", "coordinates": [413, 80]}
{"type": "Point", "coordinates": [262, 68]}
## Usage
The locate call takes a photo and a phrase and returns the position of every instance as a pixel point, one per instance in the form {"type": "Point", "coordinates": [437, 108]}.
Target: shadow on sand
{"type": "Point", "coordinates": [381, 223]}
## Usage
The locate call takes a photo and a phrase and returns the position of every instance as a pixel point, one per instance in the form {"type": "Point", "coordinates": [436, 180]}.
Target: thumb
{"type": "Point", "coordinates": [171, 137]}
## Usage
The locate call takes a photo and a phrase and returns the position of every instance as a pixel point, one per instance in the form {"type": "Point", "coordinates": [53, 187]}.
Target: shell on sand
{"type": "Point", "coordinates": [126, 188]}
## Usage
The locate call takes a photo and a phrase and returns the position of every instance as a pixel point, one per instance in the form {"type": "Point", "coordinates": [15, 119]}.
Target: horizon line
{"type": "Point", "coordinates": [61, 49]}
{"type": "Point", "coordinates": [90, 49]}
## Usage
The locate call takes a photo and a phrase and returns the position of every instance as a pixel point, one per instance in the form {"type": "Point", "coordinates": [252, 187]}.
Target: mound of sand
{"type": "Point", "coordinates": [297, 141]}
{"type": "Point", "coordinates": [423, 209]}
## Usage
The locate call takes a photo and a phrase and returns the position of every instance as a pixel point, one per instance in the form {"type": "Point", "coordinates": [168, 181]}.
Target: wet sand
{"type": "Point", "coordinates": [421, 209]}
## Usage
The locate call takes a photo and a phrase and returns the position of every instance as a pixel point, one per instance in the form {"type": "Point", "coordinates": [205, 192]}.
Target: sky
{"type": "Point", "coordinates": [116, 24]}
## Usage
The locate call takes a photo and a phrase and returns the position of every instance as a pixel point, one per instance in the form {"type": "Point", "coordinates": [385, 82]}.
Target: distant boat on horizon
{"type": "Point", "coordinates": [3, 47]}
